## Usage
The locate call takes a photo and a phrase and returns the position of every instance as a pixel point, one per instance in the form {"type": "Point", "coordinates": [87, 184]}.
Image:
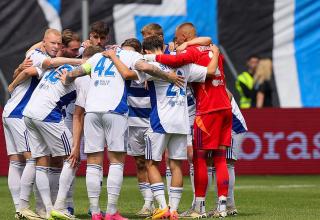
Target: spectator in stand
{"type": "Point", "coordinates": [262, 86]}
{"type": "Point", "coordinates": [245, 82]}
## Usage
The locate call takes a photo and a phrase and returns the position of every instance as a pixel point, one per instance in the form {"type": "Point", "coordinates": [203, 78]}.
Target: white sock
{"type": "Point", "coordinates": [222, 204]}
{"type": "Point", "coordinates": [146, 192]}
{"type": "Point", "coordinates": [40, 208]}
{"type": "Point", "coordinates": [232, 179]}
{"type": "Point", "coordinates": [191, 170]}
{"type": "Point", "coordinates": [158, 194]}
{"type": "Point", "coordinates": [215, 187]}
{"type": "Point", "coordinates": [54, 176]}
{"type": "Point", "coordinates": [200, 205]}
{"type": "Point", "coordinates": [26, 183]}
{"type": "Point", "coordinates": [14, 177]}
{"type": "Point", "coordinates": [210, 170]}
{"type": "Point", "coordinates": [94, 181]}
{"type": "Point", "coordinates": [168, 181]}
{"type": "Point", "coordinates": [69, 199]}
{"type": "Point", "coordinates": [114, 183]}
{"type": "Point", "coordinates": [66, 177]}
{"type": "Point", "coordinates": [42, 181]}
{"type": "Point", "coordinates": [175, 193]}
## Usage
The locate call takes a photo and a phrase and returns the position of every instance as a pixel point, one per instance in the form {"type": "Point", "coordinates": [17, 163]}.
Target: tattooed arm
{"type": "Point", "coordinates": [156, 72]}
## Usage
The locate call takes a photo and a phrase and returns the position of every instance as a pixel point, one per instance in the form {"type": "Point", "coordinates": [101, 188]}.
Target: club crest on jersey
{"type": "Point", "coordinates": [217, 82]}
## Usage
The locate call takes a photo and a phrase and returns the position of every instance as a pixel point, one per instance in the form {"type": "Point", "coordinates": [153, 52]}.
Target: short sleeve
{"type": "Point", "coordinates": [82, 86]}
{"type": "Point", "coordinates": [38, 58]}
{"type": "Point", "coordinates": [195, 73]}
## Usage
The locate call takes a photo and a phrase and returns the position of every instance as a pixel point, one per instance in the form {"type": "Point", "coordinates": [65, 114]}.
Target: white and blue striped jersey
{"type": "Point", "coordinates": [50, 96]}
{"type": "Point", "coordinates": [169, 109]}
{"type": "Point", "coordinates": [139, 104]}
{"type": "Point", "coordinates": [107, 92]}
{"type": "Point", "coordinates": [238, 122]}
{"type": "Point", "coordinates": [22, 93]}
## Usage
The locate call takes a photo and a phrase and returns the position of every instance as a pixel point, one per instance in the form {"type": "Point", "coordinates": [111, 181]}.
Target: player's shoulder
{"type": "Point", "coordinates": [35, 52]}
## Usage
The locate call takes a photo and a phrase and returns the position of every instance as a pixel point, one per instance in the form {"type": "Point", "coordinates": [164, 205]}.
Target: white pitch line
{"type": "Point", "coordinates": [276, 186]}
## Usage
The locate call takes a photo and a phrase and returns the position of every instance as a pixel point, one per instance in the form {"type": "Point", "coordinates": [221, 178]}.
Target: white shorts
{"type": "Point", "coordinates": [48, 138]}
{"type": "Point", "coordinates": [137, 144]}
{"type": "Point", "coordinates": [190, 136]}
{"type": "Point", "coordinates": [68, 121]}
{"type": "Point", "coordinates": [101, 129]}
{"type": "Point", "coordinates": [15, 135]}
{"type": "Point", "coordinates": [156, 144]}
{"type": "Point", "coordinates": [233, 151]}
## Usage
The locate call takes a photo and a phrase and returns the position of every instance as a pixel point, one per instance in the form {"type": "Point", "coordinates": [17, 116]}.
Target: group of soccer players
{"type": "Point", "coordinates": [145, 100]}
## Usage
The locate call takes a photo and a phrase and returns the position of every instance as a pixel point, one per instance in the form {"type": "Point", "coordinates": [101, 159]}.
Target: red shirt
{"type": "Point", "coordinates": [210, 95]}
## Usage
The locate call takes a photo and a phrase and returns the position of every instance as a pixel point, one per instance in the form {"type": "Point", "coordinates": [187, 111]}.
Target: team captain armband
{"type": "Point", "coordinates": [86, 67]}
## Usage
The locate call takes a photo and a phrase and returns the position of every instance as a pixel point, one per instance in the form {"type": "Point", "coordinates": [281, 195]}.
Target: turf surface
{"type": "Point", "coordinates": [257, 197]}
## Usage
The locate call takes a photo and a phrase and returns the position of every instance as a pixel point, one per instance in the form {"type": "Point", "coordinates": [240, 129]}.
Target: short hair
{"type": "Point", "coordinates": [253, 56]}
{"type": "Point", "coordinates": [100, 28]}
{"type": "Point", "coordinates": [134, 43]}
{"type": "Point", "coordinates": [152, 29]}
{"type": "Point", "coordinates": [68, 36]}
{"type": "Point", "coordinates": [91, 50]}
{"type": "Point", "coordinates": [152, 43]}
{"type": "Point", "coordinates": [51, 31]}
{"type": "Point", "coordinates": [188, 27]}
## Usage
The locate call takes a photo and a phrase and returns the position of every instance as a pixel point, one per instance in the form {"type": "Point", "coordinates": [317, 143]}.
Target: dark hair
{"type": "Point", "coordinates": [153, 28]}
{"type": "Point", "coordinates": [100, 28]}
{"type": "Point", "coordinates": [68, 36]}
{"type": "Point", "coordinates": [134, 43]}
{"type": "Point", "coordinates": [91, 50]}
{"type": "Point", "coordinates": [152, 43]}
{"type": "Point", "coordinates": [253, 56]}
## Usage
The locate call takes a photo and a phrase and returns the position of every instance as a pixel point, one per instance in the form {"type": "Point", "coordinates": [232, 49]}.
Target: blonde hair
{"type": "Point", "coordinates": [264, 70]}
{"type": "Point", "coordinates": [52, 31]}
{"type": "Point", "coordinates": [152, 29]}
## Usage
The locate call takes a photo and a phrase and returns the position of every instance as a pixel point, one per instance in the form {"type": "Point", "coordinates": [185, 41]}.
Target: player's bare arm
{"type": "Point", "coordinates": [23, 76]}
{"type": "Point", "coordinates": [68, 77]}
{"type": "Point", "coordinates": [156, 72]}
{"type": "Point", "coordinates": [213, 65]}
{"type": "Point", "coordinates": [204, 41]}
{"type": "Point", "coordinates": [78, 119]}
{"type": "Point", "coordinates": [24, 65]}
{"type": "Point", "coordinates": [125, 72]}
{"type": "Point", "coordinates": [58, 61]}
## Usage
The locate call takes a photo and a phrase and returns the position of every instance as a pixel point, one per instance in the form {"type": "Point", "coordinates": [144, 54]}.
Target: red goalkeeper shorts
{"type": "Point", "coordinates": [212, 130]}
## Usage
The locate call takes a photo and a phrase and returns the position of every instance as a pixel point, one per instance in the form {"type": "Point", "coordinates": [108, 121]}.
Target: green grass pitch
{"type": "Point", "coordinates": [257, 197]}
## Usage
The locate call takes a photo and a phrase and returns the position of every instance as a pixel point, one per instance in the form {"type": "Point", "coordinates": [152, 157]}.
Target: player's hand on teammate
{"type": "Point", "coordinates": [109, 53]}
{"type": "Point", "coordinates": [25, 64]}
{"type": "Point", "coordinates": [182, 47]}
{"type": "Point", "coordinates": [10, 88]}
{"type": "Point", "coordinates": [214, 48]}
{"type": "Point", "coordinates": [178, 80]}
{"type": "Point", "coordinates": [63, 76]}
{"type": "Point", "coordinates": [87, 43]}
{"type": "Point", "coordinates": [171, 46]}
{"type": "Point", "coordinates": [74, 157]}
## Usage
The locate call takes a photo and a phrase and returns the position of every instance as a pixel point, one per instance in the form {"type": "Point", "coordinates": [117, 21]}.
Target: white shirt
{"type": "Point", "coordinates": [238, 122]}
{"type": "Point", "coordinates": [107, 91]}
{"type": "Point", "coordinates": [82, 87]}
{"type": "Point", "coordinates": [169, 109]}
{"type": "Point", "coordinates": [139, 104]}
{"type": "Point", "coordinates": [22, 93]}
{"type": "Point", "coordinates": [50, 96]}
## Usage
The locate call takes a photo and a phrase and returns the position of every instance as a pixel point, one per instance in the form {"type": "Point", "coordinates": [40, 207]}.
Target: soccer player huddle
{"type": "Point", "coordinates": [144, 99]}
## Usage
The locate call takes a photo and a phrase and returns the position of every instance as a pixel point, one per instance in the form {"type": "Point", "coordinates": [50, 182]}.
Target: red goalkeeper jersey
{"type": "Point", "coordinates": [210, 95]}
